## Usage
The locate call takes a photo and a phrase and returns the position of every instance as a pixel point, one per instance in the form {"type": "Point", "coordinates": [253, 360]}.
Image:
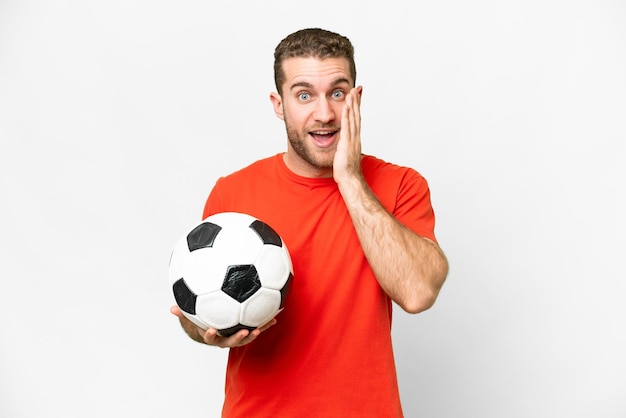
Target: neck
{"type": "Point", "coordinates": [304, 169]}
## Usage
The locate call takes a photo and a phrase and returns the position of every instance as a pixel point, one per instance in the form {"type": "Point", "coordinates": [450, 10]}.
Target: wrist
{"type": "Point", "coordinates": [355, 191]}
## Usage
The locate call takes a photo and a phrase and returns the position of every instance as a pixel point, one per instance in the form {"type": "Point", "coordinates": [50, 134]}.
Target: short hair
{"type": "Point", "coordinates": [312, 42]}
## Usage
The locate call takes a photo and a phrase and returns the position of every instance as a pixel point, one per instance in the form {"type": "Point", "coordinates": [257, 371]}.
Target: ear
{"type": "Point", "coordinates": [277, 103]}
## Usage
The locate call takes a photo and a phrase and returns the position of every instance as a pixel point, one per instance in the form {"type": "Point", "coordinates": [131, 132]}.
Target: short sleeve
{"type": "Point", "coordinates": [413, 206]}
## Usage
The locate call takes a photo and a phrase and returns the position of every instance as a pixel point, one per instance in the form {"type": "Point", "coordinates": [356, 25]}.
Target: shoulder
{"type": "Point", "coordinates": [256, 167]}
{"type": "Point", "coordinates": [393, 184]}
{"type": "Point", "coordinates": [404, 192]}
{"type": "Point", "coordinates": [376, 170]}
{"type": "Point", "coordinates": [254, 171]}
{"type": "Point", "coordinates": [242, 190]}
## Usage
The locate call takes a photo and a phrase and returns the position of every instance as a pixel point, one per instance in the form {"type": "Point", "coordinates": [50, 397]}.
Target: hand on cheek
{"type": "Point", "coordinates": [347, 160]}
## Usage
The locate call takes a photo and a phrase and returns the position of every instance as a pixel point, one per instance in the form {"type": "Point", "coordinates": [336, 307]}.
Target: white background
{"type": "Point", "coordinates": [116, 118]}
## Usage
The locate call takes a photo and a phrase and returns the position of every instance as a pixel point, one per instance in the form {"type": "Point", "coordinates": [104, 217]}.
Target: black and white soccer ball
{"type": "Point", "coordinates": [230, 272]}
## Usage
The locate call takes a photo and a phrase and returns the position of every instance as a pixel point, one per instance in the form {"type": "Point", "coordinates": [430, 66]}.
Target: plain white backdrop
{"type": "Point", "coordinates": [117, 117]}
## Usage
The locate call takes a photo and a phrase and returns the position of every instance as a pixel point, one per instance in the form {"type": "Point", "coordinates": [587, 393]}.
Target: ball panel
{"type": "Point", "coordinates": [285, 290]}
{"type": "Point", "coordinates": [196, 320]}
{"type": "Point", "coordinates": [204, 270]}
{"type": "Point", "coordinates": [185, 297]}
{"type": "Point", "coordinates": [177, 260]}
{"type": "Point", "coordinates": [230, 331]}
{"type": "Point", "coordinates": [237, 244]}
{"type": "Point", "coordinates": [202, 236]}
{"type": "Point", "coordinates": [218, 310]}
{"type": "Point", "coordinates": [266, 233]}
{"type": "Point", "coordinates": [241, 282]}
{"type": "Point", "coordinates": [231, 218]}
{"type": "Point", "coordinates": [261, 307]}
{"type": "Point", "coordinates": [274, 266]}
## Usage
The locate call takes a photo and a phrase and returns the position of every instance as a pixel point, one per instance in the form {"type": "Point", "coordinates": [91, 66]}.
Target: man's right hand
{"type": "Point", "coordinates": [211, 337]}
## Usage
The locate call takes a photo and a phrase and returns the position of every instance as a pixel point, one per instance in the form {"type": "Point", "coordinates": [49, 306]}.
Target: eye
{"type": "Point", "coordinates": [337, 94]}
{"type": "Point", "coordinates": [304, 96]}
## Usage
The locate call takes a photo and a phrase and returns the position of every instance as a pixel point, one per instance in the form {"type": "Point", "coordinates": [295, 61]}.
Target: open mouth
{"type": "Point", "coordinates": [323, 139]}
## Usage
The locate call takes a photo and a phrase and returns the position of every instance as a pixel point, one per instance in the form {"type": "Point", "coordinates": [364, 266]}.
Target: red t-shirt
{"type": "Point", "coordinates": [330, 354]}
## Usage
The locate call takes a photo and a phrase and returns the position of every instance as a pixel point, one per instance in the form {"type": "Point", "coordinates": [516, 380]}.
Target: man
{"type": "Point", "coordinates": [361, 235]}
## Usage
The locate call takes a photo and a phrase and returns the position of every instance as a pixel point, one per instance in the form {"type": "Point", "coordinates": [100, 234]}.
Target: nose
{"type": "Point", "coordinates": [324, 111]}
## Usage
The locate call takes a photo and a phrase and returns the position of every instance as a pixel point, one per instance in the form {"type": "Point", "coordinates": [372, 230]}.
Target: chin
{"type": "Point", "coordinates": [323, 160]}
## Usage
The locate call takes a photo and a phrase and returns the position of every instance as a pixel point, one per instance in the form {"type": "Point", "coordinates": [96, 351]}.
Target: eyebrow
{"type": "Point", "coordinates": [309, 85]}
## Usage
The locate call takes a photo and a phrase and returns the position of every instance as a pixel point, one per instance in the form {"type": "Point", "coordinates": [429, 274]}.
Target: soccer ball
{"type": "Point", "coordinates": [230, 272]}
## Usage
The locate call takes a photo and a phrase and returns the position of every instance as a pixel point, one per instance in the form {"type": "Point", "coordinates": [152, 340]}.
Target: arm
{"type": "Point", "coordinates": [410, 269]}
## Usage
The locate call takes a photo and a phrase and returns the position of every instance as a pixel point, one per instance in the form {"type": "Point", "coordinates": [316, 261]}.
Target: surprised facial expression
{"type": "Point", "coordinates": [311, 105]}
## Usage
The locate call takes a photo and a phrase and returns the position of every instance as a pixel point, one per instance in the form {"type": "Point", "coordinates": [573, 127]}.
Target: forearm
{"type": "Point", "coordinates": [410, 269]}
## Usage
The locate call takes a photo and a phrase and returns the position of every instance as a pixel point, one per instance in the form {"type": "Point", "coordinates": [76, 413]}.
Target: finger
{"type": "Point", "coordinates": [345, 116]}
{"type": "Point", "coordinates": [211, 337]}
{"type": "Point", "coordinates": [255, 333]}
{"type": "Point", "coordinates": [269, 324]}
{"type": "Point", "coordinates": [175, 310]}
{"type": "Point", "coordinates": [353, 115]}
{"type": "Point", "coordinates": [242, 338]}
{"type": "Point", "coordinates": [249, 338]}
{"type": "Point", "coordinates": [357, 106]}
{"type": "Point", "coordinates": [349, 122]}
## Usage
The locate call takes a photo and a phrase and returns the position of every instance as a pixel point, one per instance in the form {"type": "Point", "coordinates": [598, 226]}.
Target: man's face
{"type": "Point", "coordinates": [311, 105]}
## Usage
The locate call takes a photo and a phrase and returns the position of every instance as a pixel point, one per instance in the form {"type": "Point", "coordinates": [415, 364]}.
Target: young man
{"type": "Point", "coordinates": [361, 235]}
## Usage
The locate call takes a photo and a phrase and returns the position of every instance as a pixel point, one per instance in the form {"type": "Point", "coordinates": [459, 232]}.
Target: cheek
{"type": "Point", "coordinates": [339, 110]}
{"type": "Point", "coordinates": [297, 117]}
